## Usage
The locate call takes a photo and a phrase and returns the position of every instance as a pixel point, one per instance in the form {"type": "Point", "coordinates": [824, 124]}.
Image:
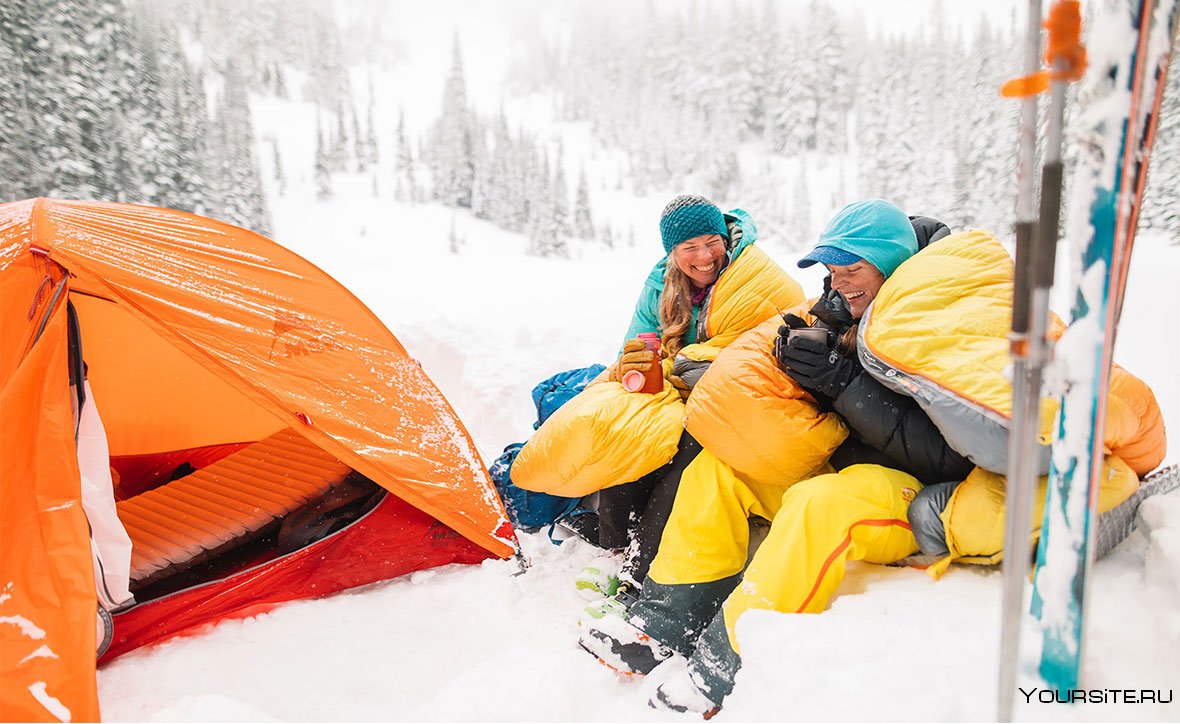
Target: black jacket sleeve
{"type": "Point", "coordinates": [897, 426]}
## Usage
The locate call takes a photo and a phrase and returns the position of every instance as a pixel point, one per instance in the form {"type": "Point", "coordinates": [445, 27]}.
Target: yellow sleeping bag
{"type": "Point", "coordinates": [938, 331]}
{"type": "Point", "coordinates": [756, 419]}
{"type": "Point", "coordinates": [606, 436]}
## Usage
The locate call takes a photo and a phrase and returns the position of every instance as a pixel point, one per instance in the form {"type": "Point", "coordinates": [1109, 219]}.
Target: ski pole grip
{"type": "Point", "coordinates": [1022, 289]}
{"type": "Point", "coordinates": [1049, 226]}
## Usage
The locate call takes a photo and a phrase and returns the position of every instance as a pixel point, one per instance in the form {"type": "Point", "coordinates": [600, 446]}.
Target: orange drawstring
{"type": "Point", "coordinates": [1065, 44]}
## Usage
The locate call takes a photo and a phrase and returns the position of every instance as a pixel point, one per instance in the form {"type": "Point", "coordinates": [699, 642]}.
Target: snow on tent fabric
{"type": "Point", "coordinates": [607, 436]}
{"type": "Point", "coordinates": [219, 358]}
{"type": "Point", "coordinates": [938, 331]}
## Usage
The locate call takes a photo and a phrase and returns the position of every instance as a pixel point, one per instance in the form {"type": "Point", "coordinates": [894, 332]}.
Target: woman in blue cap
{"type": "Point", "coordinates": [682, 300]}
{"type": "Point", "coordinates": [818, 524]}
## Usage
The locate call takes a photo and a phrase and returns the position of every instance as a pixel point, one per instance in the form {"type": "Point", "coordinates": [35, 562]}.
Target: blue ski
{"type": "Point", "coordinates": [1120, 97]}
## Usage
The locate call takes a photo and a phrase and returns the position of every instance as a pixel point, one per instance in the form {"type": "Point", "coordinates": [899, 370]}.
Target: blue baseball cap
{"type": "Point", "coordinates": [874, 230]}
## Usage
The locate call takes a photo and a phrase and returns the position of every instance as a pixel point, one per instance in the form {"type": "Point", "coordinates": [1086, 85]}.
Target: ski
{"type": "Point", "coordinates": [1114, 130]}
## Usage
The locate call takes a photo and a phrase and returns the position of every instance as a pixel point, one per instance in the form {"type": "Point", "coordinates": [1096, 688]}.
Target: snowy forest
{"type": "Point", "coordinates": [147, 101]}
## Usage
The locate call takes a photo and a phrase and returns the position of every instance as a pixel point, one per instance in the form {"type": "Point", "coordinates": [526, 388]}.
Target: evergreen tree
{"type": "Point", "coordinates": [561, 202]}
{"type": "Point", "coordinates": [239, 178]}
{"type": "Point", "coordinates": [323, 177]}
{"type": "Point", "coordinates": [1161, 201]}
{"type": "Point", "coordinates": [277, 162]}
{"type": "Point", "coordinates": [22, 173]}
{"type": "Point", "coordinates": [360, 149]}
{"type": "Point", "coordinates": [583, 224]}
{"type": "Point", "coordinates": [608, 238]}
{"type": "Point", "coordinates": [454, 151]}
{"type": "Point", "coordinates": [405, 184]}
{"type": "Point", "coordinates": [372, 154]}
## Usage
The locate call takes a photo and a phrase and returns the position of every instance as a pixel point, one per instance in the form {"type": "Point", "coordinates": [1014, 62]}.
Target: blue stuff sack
{"type": "Point", "coordinates": [528, 510]}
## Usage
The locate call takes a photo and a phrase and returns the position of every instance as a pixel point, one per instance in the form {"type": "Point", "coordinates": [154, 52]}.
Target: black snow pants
{"type": "Point", "coordinates": [633, 515]}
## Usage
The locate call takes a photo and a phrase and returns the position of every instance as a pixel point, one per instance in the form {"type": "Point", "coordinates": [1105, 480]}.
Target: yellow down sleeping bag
{"type": "Point", "coordinates": [938, 331]}
{"type": "Point", "coordinates": [756, 419]}
{"type": "Point", "coordinates": [606, 436]}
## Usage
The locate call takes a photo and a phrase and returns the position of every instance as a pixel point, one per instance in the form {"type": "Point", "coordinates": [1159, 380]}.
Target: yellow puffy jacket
{"type": "Point", "coordinates": [607, 436]}
{"type": "Point", "coordinates": [937, 330]}
{"type": "Point", "coordinates": [756, 419]}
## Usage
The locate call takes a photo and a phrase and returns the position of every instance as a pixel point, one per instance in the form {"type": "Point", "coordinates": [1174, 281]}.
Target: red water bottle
{"type": "Point", "coordinates": [652, 380]}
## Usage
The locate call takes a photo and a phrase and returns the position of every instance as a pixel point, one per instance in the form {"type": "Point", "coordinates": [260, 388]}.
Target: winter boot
{"type": "Point", "coordinates": [709, 677]}
{"type": "Point", "coordinates": [680, 693]}
{"type": "Point", "coordinates": [715, 664]}
{"type": "Point", "coordinates": [622, 646]}
{"type": "Point", "coordinates": [676, 614]}
{"type": "Point", "coordinates": [600, 578]}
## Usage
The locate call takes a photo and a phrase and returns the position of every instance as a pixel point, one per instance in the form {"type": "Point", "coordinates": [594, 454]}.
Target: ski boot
{"type": "Point", "coordinates": [620, 645]}
{"type": "Point", "coordinates": [681, 693]}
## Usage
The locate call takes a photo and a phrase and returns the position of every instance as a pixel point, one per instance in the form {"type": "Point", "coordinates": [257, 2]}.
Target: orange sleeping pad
{"type": "Point", "coordinates": [224, 505]}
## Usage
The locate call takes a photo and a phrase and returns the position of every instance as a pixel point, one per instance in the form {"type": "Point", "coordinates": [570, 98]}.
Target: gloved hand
{"type": "Point", "coordinates": [686, 373]}
{"type": "Point", "coordinates": [817, 367]}
{"type": "Point", "coordinates": [834, 311]}
{"type": "Point", "coordinates": [790, 321]}
{"type": "Point", "coordinates": [635, 356]}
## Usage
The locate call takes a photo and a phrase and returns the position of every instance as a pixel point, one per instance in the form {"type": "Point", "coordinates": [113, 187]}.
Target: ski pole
{"type": "Point", "coordinates": [1021, 437]}
{"type": "Point", "coordinates": [1036, 247]}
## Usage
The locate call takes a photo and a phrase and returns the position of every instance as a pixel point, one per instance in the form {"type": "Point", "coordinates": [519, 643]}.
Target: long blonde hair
{"type": "Point", "coordinates": [675, 308]}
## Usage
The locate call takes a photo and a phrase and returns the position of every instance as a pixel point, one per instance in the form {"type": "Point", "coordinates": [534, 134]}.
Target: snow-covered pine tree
{"type": "Point", "coordinates": [1161, 200]}
{"type": "Point", "coordinates": [67, 100]}
{"type": "Point", "coordinates": [453, 152]}
{"type": "Point", "coordinates": [372, 151]}
{"type": "Point", "coordinates": [323, 176]}
{"type": "Point", "coordinates": [830, 83]}
{"type": "Point", "coordinates": [498, 177]}
{"type": "Point", "coordinates": [242, 201]}
{"type": "Point", "coordinates": [607, 236]}
{"type": "Point", "coordinates": [583, 223]}
{"type": "Point", "coordinates": [172, 144]}
{"type": "Point", "coordinates": [404, 178]}
{"type": "Point", "coordinates": [560, 196]}
{"type": "Point", "coordinates": [453, 241]}
{"type": "Point", "coordinates": [360, 152]}
{"type": "Point", "coordinates": [21, 173]}
{"type": "Point", "coordinates": [340, 149]}
{"type": "Point", "coordinates": [277, 168]}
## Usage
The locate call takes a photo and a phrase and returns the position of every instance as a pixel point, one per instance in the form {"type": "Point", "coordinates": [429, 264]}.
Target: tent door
{"type": "Point", "coordinates": [109, 542]}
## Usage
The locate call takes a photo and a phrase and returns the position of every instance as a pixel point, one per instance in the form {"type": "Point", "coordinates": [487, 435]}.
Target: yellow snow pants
{"type": "Point", "coordinates": [708, 535]}
{"type": "Point", "coordinates": [818, 525]}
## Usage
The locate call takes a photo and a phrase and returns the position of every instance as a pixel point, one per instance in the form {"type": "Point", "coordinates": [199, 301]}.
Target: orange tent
{"type": "Point", "coordinates": [220, 364]}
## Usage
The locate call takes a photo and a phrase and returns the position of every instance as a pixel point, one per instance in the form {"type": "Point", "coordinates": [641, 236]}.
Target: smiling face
{"type": "Point", "coordinates": [700, 258]}
{"type": "Point", "coordinates": [859, 283]}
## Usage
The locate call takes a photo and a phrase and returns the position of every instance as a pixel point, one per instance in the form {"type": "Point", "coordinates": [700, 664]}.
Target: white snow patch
{"type": "Point", "coordinates": [52, 704]}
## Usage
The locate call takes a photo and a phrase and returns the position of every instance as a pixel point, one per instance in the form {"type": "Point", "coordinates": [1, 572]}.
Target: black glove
{"type": "Point", "coordinates": [833, 310]}
{"type": "Point", "coordinates": [817, 367]}
{"type": "Point", "coordinates": [790, 321]}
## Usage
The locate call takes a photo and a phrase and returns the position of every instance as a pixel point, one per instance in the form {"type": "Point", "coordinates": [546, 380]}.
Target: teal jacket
{"type": "Point", "coordinates": [742, 233]}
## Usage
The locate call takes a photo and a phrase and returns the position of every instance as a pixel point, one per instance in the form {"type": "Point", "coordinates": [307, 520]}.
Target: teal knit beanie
{"type": "Point", "coordinates": [687, 217]}
{"type": "Point", "coordinates": [873, 230]}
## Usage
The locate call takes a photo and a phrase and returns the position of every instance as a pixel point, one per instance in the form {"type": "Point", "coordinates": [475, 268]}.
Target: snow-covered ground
{"type": "Point", "coordinates": [474, 642]}
{"type": "Point", "coordinates": [477, 643]}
